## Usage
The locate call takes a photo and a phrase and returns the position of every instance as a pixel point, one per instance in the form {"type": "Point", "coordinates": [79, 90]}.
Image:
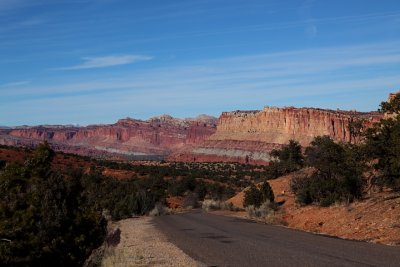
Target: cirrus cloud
{"type": "Point", "coordinates": [106, 61]}
{"type": "Point", "coordinates": [14, 84]}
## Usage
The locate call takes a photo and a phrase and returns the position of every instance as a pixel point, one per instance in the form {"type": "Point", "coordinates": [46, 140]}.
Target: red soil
{"type": "Point", "coordinates": [375, 219]}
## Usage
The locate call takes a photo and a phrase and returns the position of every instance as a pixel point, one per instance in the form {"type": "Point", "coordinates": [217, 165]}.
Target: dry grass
{"type": "Point", "coordinates": [210, 204]}
{"type": "Point", "coordinates": [268, 213]}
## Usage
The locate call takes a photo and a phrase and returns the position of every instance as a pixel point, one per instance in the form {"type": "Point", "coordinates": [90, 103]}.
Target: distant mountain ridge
{"type": "Point", "coordinates": [249, 136]}
{"type": "Point", "coordinates": [237, 136]}
{"type": "Point", "coordinates": [127, 139]}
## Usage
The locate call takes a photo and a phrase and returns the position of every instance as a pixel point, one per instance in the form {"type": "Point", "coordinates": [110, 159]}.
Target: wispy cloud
{"type": "Point", "coordinates": [321, 67]}
{"type": "Point", "coordinates": [27, 23]}
{"type": "Point", "coordinates": [106, 61]}
{"type": "Point", "coordinates": [305, 9]}
{"type": "Point", "coordinates": [321, 77]}
{"type": "Point", "coordinates": [14, 84]}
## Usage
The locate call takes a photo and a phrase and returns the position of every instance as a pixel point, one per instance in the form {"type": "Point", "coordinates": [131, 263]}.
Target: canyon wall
{"type": "Point", "coordinates": [238, 136]}
{"type": "Point", "coordinates": [128, 138]}
{"type": "Point", "coordinates": [249, 136]}
{"type": "Point", "coordinates": [279, 125]}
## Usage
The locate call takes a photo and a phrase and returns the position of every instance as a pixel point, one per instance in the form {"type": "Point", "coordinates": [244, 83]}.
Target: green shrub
{"type": "Point", "coordinates": [252, 196]}
{"type": "Point", "coordinates": [288, 159]}
{"type": "Point", "coordinates": [266, 193]}
{"type": "Point", "coordinates": [382, 146]}
{"type": "Point", "coordinates": [338, 175]}
{"type": "Point", "coordinates": [44, 216]}
{"type": "Point", "coordinates": [321, 189]}
{"type": "Point", "coordinates": [255, 197]}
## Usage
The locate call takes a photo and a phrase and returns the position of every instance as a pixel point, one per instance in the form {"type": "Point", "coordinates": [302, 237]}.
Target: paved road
{"type": "Point", "coordinates": [225, 241]}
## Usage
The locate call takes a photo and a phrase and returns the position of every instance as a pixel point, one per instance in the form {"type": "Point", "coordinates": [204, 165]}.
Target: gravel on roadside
{"type": "Point", "coordinates": [141, 244]}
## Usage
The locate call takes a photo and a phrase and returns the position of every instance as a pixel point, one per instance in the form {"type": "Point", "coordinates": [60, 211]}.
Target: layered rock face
{"type": "Point", "coordinates": [279, 125]}
{"type": "Point", "coordinates": [238, 136]}
{"type": "Point", "coordinates": [249, 136]}
{"type": "Point", "coordinates": [135, 139]}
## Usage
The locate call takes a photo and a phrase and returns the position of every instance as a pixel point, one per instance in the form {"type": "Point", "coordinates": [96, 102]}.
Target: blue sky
{"type": "Point", "coordinates": [95, 61]}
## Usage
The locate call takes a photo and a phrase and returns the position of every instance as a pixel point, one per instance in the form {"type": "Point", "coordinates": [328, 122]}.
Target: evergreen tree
{"type": "Point", "coordinates": [266, 192]}
{"type": "Point", "coordinates": [256, 197]}
{"type": "Point", "coordinates": [287, 159]}
{"type": "Point", "coordinates": [43, 219]}
{"type": "Point", "coordinates": [252, 196]}
{"type": "Point", "coordinates": [338, 176]}
{"type": "Point", "coordinates": [382, 145]}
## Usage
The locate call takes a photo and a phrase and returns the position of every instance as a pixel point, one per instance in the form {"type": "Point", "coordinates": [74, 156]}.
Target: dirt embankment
{"type": "Point", "coordinates": [376, 218]}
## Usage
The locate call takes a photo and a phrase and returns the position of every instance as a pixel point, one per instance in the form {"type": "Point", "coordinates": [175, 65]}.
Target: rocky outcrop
{"type": "Point", "coordinates": [246, 152]}
{"type": "Point", "coordinates": [249, 136]}
{"type": "Point", "coordinates": [130, 138]}
{"type": "Point", "coordinates": [239, 136]}
{"type": "Point", "coordinates": [278, 125]}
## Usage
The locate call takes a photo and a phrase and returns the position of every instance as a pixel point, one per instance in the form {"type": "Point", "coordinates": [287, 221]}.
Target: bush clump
{"type": "Point", "coordinates": [382, 145]}
{"type": "Point", "coordinates": [2, 164]}
{"type": "Point", "coordinates": [159, 210]}
{"type": "Point", "coordinates": [255, 197]}
{"type": "Point", "coordinates": [55, 217]}
{"type": "Point", "coordinates": [286, 160]}
{"type": "Point", "coordinates": [211, 204]}
{"type": "Point", "coordinates": [338, 175]}
{"type": "Point", "coordinates": [44, 219]}
{"type": "Point", "coordinates": [266, 211]}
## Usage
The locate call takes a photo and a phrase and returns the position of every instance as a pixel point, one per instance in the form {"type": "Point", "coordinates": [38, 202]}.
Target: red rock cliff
{"type": "Point", "coordinates": [279, 125]}
{"type": "Point", "coordinates": [249, 136]}
{"type": "Point", "coordinates": [240, 136]}
{"type": "Point", "coordinates": [156, 137]}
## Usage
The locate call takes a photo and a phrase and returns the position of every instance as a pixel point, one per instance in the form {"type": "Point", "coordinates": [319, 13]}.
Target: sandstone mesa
{"type": "Point", "coordinates": [238, 136]}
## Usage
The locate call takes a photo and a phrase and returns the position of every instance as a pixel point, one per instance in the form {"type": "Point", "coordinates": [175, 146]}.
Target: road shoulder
{"type": "Point", "coordinates": [141, 244]}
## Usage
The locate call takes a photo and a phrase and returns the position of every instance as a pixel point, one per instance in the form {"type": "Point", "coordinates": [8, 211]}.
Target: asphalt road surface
{"type": "Point", "coordinates": [225, 241]}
